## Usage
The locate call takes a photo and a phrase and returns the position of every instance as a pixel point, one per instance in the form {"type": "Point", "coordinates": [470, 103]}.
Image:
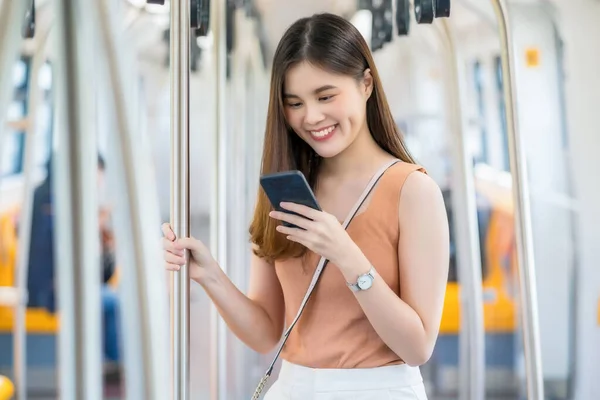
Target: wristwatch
{"type": "Point", "coordinates": [364, 282]}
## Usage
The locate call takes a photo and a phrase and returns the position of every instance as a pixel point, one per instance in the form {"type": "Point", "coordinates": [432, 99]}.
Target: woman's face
{"type": "Point", "coordinates": [326, 110]}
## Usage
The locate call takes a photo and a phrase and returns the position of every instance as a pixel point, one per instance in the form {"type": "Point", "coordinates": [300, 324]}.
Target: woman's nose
{"type": "Point", "coordinates": [313, 115]}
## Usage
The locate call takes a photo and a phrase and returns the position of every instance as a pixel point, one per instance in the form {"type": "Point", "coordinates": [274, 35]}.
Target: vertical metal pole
{"type": "Point", "coordinates": [472, 349]}
{"type": "Point", "coordinates": [523, 230]}
{"type": "Point", "coordinates": [144, 311]}
{"type": "Point", "coordinates": [218, 218]}
{"type": "Point", "coordinates": [11, 17]}
{"type": "Point", "coordinates": [75, 207]}
{"type": "Point", "coordinates": [19, 329]}
{"type": "Point", "coordinates": [180, 194]}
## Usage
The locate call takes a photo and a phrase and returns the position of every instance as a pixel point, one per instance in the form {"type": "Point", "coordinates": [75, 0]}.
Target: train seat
{"type": "Point", "coordinates": [41, 325]}
{"type": "Point", "coordinates": [499, 308]}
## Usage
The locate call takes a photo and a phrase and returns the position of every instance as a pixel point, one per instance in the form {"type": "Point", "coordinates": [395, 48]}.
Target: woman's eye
{"type": "Point", "coordinates": [325, 98]}
{"type": "Point", "coordinates": [294, 105]}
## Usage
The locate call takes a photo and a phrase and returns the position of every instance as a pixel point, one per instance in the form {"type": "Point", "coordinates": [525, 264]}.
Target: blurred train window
{"type": "Point", "coordinates": [18, 117]}
{"type": "Point", "coordinates": [14, 141]}
{"type": "Point", "coordinates": [478, 81]}
{"type": "Point", "coordinates": [44, 117]}
{"type": "Point", "coordinates": [483, 220]}
{"type": "Point", "coordinates": [45, 77]}
{"type": "Point", "coordinates": [502, 111]}
{"type": "Point", "coordinates": [560, 58]}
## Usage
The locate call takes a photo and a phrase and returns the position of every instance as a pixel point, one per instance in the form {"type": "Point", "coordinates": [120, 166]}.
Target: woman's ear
{"type": "Point", "coordinates": [368, 82]}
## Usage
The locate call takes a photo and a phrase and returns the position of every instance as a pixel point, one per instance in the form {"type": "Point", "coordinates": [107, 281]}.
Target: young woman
{"type": "Point", "coordinates": [329, 118]}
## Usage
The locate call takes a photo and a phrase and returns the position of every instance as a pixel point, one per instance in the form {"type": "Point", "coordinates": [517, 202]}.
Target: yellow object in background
{"type": "Point", "coordinates": [532, 57]}
{"type": "Point", "coordinates": [37, 320]}
{"type": "Point", "coordinates": [7, 389]}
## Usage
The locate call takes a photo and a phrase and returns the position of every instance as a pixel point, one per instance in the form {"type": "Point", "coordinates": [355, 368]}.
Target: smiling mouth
{"type": "Point", "coordinates": [323, 133]}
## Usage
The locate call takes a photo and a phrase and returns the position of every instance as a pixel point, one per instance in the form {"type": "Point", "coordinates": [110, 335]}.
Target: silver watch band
{"type": "Point", "coordinates": [364, 280]}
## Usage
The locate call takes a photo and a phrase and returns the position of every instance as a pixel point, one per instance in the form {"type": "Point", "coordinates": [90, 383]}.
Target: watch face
{"type": "Point", "coordinates": [365, 282]}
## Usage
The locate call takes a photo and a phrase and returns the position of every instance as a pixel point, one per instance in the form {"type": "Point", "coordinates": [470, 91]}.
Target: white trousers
{"type": "Point", "coordinates": [397, 382]}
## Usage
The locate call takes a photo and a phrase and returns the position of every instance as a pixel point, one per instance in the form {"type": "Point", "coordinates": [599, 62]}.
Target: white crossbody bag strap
{"type": "Point", "coordinates": [322, 263]}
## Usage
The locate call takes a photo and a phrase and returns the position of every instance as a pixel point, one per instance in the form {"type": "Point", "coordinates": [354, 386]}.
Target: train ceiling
{"type": "Point", "coordinates": [146, 23]}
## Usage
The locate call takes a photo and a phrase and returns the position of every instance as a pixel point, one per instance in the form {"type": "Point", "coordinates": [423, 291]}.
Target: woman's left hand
{"type": "Point", "coordinates": [323, 235]}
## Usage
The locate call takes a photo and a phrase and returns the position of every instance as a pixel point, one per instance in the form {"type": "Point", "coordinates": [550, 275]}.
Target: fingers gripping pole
{"type": "Point", "coordinates": [524, 235]}
{"type": "Point", "coordinates": [472, 350]}
{"type": "Point", "coordinates": [180, 194]}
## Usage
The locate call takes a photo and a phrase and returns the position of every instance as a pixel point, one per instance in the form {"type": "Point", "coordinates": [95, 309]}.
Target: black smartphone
{"type": "Point", "coordinates": [288, 186]}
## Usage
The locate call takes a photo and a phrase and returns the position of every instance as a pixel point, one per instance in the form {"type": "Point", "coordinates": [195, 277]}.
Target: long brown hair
{"type": "Point", "coordinates": [334, 44]}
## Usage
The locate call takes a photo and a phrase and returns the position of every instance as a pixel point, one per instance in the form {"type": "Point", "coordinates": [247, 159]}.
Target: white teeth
{"type": "Point", "coordinates": [323, 132]}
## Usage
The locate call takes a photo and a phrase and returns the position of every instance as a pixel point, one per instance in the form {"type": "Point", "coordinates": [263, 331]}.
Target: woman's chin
{"type": "Point", "coordinates": [328, 151]}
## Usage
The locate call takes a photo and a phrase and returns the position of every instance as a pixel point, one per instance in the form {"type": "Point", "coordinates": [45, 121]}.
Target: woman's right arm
{"type": "Point", "coordinates": [256, 319]}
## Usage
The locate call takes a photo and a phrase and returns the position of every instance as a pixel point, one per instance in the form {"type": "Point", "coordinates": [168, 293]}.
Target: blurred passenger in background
{"type": "Point", "coordinates": [41, 280]}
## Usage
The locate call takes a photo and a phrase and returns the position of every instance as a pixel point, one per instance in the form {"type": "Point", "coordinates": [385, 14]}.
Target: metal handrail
{"type": "Point", "coordinates": [523, 228]}
{"type": "Point", "coordinates": [472, 347]}
{"type": "Point", "coordinates": [143, 302]}
{"type": "Point", "coordinates": [25, 224]}
{"type": "Point", "coordinates": [75, 204]}
{"type": "Point", "coordinates": [180, 194]}
{"type": "Point", "coordinates": [218, 214]}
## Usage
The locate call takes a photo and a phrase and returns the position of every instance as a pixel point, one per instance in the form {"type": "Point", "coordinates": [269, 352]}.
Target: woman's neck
{"type": "Point", "coordinates": [362, 157]}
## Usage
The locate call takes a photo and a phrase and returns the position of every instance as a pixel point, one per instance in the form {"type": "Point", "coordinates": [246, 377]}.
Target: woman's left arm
{"type": "Point", "coordinates": [409, 325]}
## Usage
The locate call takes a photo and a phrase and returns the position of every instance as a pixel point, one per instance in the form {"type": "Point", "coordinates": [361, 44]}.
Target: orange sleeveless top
{"type": "Point", "coordinates": [333, 331]}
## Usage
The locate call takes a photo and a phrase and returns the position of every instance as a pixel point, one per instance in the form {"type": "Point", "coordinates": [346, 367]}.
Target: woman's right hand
{"type": "Point", "coordinates": [200, 262]}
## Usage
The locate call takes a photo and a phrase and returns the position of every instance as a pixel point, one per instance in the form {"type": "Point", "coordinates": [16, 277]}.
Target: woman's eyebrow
{"type": "Point", "coordinates": [316, 91]}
